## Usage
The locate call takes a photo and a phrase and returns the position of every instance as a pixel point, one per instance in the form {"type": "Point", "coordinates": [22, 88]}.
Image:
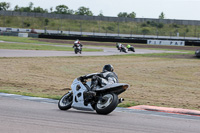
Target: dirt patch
{"type": "Point", "coordinates": [153, 81]}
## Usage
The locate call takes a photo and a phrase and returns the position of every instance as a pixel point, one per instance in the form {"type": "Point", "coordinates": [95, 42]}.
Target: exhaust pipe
{"type": "Point", "coordinates": [121, 100]}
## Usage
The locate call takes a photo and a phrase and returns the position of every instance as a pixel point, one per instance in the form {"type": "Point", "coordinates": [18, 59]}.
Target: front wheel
{"type": "Point", "coordinates": [66, 101]}
{"type": "Point", "coordinates": [107, 104]}
{"type": "Point", "coordinates": [75, 51]}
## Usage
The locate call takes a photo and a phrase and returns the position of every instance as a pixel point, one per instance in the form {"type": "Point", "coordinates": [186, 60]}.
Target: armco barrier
{"type": "Point", "coordinates": [110, 39]}
{"type": "Point", "coordinates": [16, 34]}
{"type": "Point", "coordinates": [94, 38]}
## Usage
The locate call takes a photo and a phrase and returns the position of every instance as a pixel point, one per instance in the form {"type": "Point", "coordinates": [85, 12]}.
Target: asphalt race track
{"type": "Point", "coordinates": [21, 114]}
{"type": "Point", "coordinates": [106, 51]}
{"type": "Point", "coordinates": [44, 53]}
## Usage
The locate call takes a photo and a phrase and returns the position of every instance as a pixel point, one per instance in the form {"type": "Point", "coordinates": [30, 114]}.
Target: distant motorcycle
{"type": "Point", "coordinates": [103, 102]}
{"type": "Point", "coordinates": [197, 53]}
{"type": "Point", "coordinates": [118, 46]}
{"type": "Point", "coordinates": [123, 49]}
{"type": "Point", "coordinates": [77, 48]}
{"type": "Point", "coordinates": [131, 49]}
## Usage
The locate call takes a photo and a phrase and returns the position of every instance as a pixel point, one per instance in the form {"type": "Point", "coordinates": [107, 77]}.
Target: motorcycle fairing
{"type": "Point", "coordinates": [78, 99]}
{"type": "Point", "coordinates": [115, 88]}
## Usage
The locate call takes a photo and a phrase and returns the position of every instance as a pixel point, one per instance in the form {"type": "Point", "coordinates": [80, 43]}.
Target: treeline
{"type": "Point", "coordinates": [60, 9]}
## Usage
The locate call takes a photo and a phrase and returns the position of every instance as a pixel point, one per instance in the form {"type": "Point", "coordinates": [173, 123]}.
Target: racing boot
{"type": "Point", "coordinates": [90, 93]}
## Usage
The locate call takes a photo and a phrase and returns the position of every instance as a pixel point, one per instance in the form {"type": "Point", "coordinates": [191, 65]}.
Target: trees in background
{"type": "Point", "coordinates": [101, 14]}
{"type": "Point", "coordinates": [132, 15]}
{"type": "Point", "coordinates": [84, 11]}
{"type": "Point", "coordinates": [30, 8]}
{"type": "Point", "coordinates": [123, 14]}
{"type": "Point", "coordinates": [126, 15]}
{"type": "Point", "coordinates": [62, 9]}
{"type": "Point", "coordinates": [4, 6]}
{"type": "Point", "coordinates": [161, 16]}
{"type": "Point", "coordinates": [39, 10]}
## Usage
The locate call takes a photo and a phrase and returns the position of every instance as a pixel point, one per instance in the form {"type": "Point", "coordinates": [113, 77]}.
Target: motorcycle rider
{"type": "Point", "coordinates": [77, 44]}
{"type": "Point", "coordinates": [107, 76]}
{"type": "Point", "coordinates": [118, 45]}
{"type": "Point", "coordinates": [130, 48]}
{"type": "Point", "coordinates": [123, 48]}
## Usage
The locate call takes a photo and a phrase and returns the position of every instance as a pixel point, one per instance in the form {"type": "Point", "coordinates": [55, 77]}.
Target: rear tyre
{"type": "Point", "coordinates": [65, 102]}
{"type": "Point", "coordinates": [107, 104]}
{"type": "Point", "coordinates": [133, 49]}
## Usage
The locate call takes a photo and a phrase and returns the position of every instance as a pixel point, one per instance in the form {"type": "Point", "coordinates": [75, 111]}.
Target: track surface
{"type": "Point", "coordinates": [45, 53]}
{"type": "Point", "coordinates": [21, 115]}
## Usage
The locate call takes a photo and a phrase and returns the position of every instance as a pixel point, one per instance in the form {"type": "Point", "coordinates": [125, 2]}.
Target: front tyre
{"type": "Point", "coordinates": [75, 51]}
{"type": "Point", "coordinates": [66, 101]}
{"type": "Point", "coordinates": [107, 104]}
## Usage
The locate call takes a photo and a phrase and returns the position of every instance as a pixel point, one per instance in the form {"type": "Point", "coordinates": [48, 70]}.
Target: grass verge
{"type": "Point", "coordinates": [40, 47]}
{"type": "Point", "coordinates": [168, 82]}
{"type": "Point", "coordinates": [20, 39]}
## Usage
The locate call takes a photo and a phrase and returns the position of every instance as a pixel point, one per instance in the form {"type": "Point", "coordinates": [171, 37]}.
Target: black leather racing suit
{"type": "Point", "coordinates": [102, 79]}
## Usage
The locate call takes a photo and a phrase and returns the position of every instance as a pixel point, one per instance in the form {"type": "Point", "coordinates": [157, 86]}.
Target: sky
{"type": "Point", "coordinates": [173, 9]}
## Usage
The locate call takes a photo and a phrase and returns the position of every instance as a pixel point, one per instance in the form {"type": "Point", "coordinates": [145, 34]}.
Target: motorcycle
{"type": "Point", "coordinates": [118, 46]}
{"type": "Point", "coordinates": [104, 101]}
{"type": "Point", "coordinates": [77, 49]}
{"type": "Point", "coordinates": [123, 49]}
{"type": "Point", "coordinates": [131, 49]}
{"type": "Point", "coordinates": [197, 53]}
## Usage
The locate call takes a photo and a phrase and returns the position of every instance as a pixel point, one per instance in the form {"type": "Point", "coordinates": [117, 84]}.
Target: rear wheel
{"type": "Point", "coordinates": [107, 103]}
{"type": "Point", "coordinates": [133, 49]}
{"type": "Point", "coordinates": [66, 101]}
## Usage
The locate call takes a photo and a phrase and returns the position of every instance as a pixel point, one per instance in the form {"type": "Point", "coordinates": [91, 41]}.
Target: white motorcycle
{"type": "Point", "coordinates": [77, 48]}
{"type": "Point", "coordinates": [104, 101]}
{"type": "Point", "coordinates": [122, 48]}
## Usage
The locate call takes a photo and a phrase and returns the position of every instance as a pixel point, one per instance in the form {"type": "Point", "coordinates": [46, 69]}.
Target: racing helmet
{"type": "Point", "coordinates": [108, 67]}
{"type": "Point", "coordinates": [77, 41]}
